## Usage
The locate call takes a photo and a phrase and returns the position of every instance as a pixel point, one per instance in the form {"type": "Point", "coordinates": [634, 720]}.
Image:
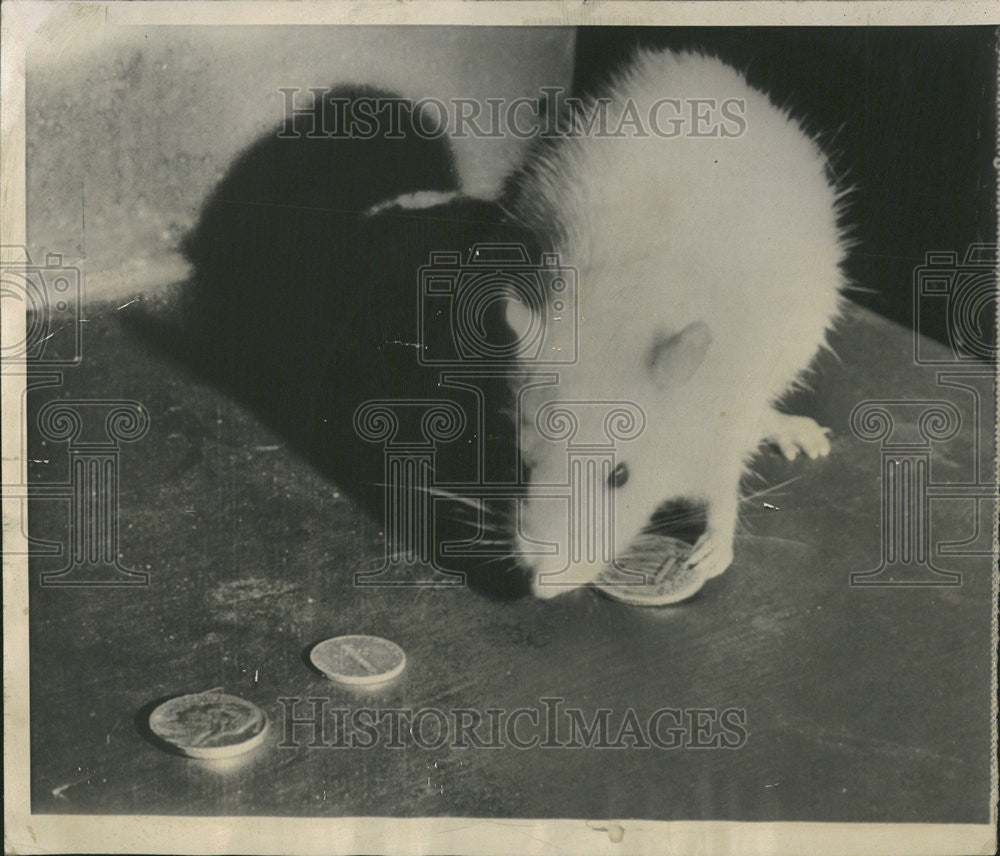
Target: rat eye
{"type": "Point", "coordinates": [619, 475]}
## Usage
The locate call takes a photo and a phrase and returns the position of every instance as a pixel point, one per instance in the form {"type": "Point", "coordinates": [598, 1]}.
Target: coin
{"type": "Point", "coordinates": [358, 660]}
{"type": "Point", "coordinates": [209, 724]}
{"type": "Point", "coordinates": [662, 561]}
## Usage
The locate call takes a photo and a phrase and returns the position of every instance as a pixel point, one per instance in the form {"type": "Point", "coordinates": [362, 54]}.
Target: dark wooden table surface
{"type": "Point", "coordinates": [861, 703]}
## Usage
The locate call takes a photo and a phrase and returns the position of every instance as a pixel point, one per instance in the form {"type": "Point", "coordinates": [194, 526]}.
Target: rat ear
{"type": "Point", "coordinates": [675, 358]}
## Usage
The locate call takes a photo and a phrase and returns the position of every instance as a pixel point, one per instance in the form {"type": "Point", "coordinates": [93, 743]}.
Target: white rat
{"type": "Point", "coordinates": [709, 271]}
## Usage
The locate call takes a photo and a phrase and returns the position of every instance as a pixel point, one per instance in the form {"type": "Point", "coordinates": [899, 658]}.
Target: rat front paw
{"type": "Point", "coordinates": [792, 433]}
{"type": "Point", "coordinates": [711, 555]}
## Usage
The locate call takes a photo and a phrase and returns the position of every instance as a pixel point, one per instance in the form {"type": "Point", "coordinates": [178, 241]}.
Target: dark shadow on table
{"type": "Point", "coordinates": [303, 308]}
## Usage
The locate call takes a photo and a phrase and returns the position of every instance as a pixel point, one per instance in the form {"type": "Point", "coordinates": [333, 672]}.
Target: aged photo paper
{"type": "Point", "coordinates": [499, 428]}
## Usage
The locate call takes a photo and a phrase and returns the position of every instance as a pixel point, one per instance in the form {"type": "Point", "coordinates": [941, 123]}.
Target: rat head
{"type": "Point", "coordinates": [600, 453]}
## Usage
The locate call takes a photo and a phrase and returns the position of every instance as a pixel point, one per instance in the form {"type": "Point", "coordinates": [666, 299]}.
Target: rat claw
{"type": "Point", "coordinates": [791, 433]}
{"type": "Point", "coordinates": [701, 550]}
{"type": "Point", "coordinates": [707, 558]}
{"type": "Point", "coordinates": [818, 444]}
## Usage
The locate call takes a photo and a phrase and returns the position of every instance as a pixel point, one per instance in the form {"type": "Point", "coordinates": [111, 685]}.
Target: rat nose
{"type": "Point", "coordinates": [546, 569]}
{"type": "Point", "coordinates": [545, 589]}
{"type": "Point", "coordinates": [554, 582]}
{"type": "Point", "coordinates": [551, 573]}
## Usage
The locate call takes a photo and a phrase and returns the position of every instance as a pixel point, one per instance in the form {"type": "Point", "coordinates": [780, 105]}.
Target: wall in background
{"type": "Point", "coordinates": [129, 129]}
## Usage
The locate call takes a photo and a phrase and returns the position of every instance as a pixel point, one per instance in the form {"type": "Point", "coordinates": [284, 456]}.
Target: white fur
{"type": "Point", "coordinates": [738, 233]}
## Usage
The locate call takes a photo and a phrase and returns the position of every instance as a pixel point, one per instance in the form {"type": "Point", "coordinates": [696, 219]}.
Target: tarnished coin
{"type": "Point", "coordinates": [210, 724]}
{"type": "Point", "coordinates": [358, 660]}
{"type": "Point", "coordinates": [661, 559]}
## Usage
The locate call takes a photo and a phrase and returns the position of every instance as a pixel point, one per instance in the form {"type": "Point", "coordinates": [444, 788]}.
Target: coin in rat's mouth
{"type": "Point", "coordinates": [654, 572]}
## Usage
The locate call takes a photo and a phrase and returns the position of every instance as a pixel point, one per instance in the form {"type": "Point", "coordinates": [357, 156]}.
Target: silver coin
{"type": "Point", "coordinates": [210, 724]}
{"type": "Point", "coordinates": [358, 660]}
{"type": "Point", "coordinates": [654, 573]}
